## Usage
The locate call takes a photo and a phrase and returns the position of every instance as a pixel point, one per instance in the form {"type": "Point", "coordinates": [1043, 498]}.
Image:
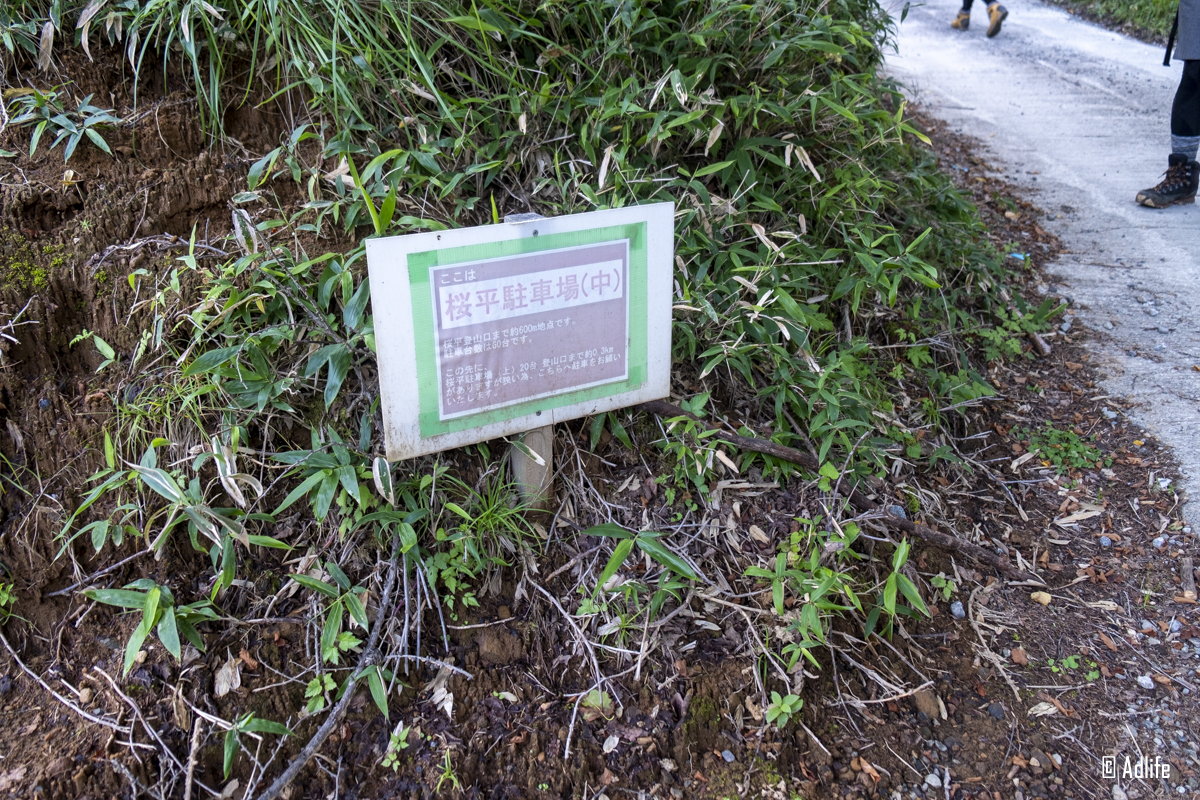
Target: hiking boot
{"type": "Point", "coordinates": [996, 14]}
{"type": "Point", "coordinates": [1178, 186]}
{"type": "Point", "coordinates": [962, 21]}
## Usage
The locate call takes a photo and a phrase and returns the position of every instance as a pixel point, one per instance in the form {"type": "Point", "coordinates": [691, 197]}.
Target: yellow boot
{"type": "Point", "coordinates": [996, 15]}
{"type": "Point", "coordinates": [962, 21]}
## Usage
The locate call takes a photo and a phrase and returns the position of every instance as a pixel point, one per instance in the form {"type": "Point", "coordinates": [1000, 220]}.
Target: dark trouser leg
{"type": "Point", "coordinates": [1185, 112]}
{"type": "Point", "coordinates": [967, 6]}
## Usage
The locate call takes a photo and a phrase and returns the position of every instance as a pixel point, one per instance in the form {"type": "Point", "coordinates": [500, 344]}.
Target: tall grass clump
{"type": "Point", "coordinates": [811, 229]}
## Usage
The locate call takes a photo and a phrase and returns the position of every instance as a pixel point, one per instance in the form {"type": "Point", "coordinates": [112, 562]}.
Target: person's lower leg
{"type": "Point", "coordinates": [1185, 113]}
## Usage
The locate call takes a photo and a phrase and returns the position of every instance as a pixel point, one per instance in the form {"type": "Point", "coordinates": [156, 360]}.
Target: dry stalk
{"type": "Point", "coordinates": [369, 657]}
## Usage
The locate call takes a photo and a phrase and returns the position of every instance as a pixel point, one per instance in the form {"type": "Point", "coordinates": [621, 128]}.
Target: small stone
{"type": "Point", "coordinates": [727, 755]}
{"type": "Point", "coordinates": [1041, 597]}
{"type": "Point", "coordinates": [1151, 311]}
{"type": "Point", "coordinates": [956, 608]}
{"type": "Point", "coordinates": [1066, 326]}
{"type": "Point", "coordinates": [503, 612]}
{"type": "Point", "coordinates": [926, 701]}
{"type": "Point", "coordinates": [85, 695]}
{"type": "Point", "coordinates": [43, 404]}
{"type": "Point", "coordinates": [1105, 541]}
{"type": "Point", "coordinates": [1145, 682]}
{"type": "Point", "coordinates": [997, 710]}
{"type": "Point", "coordinates": [897, 511]}
{"type": "Point", "coordinates": [1176, 626]}
{"type": "Point", "coordinates": [1108, 326]}
{"type": "Point", "coordinates": [1160, 542]}
{"type": "Point", "coordinates": [1018, 656]}
{"type": "Point", "coordinates": [1108, 414]}
{"type": "Point", "coordinates": [1163, 331]}
{"type": "Point", "coordinates": [933, 780]}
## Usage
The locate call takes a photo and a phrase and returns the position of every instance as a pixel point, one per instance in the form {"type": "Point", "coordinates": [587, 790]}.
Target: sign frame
{"type": "Point", "coordinates": [400, 271]}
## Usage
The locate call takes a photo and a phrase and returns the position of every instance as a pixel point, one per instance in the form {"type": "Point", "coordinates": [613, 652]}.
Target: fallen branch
{"type": "Point", "coordinates": [369, 657]}
{"type": "Point", "coordinates": [856, 498]}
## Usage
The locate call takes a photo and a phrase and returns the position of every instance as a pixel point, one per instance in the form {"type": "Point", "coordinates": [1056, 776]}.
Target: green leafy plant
{"type": "Point", "coordinates": [346, 600]}
{"type": "Point", "coordinates": [8, 600]}
{"type": "Point", "coordinates": [447, 775]}
{"type": "Point", "coordinates": [398, 741]}
{"type": "Point", "coordinates": [159, 614]}
{"type": "Point", "coordinates": [44, 110]}
{"type": "Point", "coordinates": [106, 350]}
{"type": "Point", "coordinates": [248, 724]}
{"type": "Point", "coordinates": [647, 542]}
{"type": "Point", "coordinates": [1008, 337]}
{"type": "Point", "coordinates": [782, 709]}
{"type": "Point", "coordinates": [899, 581]}
{"type": "Point", "coordinates": [316, 693]}
{"type": "Point", "coordinates": [947, 586]}
{"type": "Point", "coordinates": [1063, 449]}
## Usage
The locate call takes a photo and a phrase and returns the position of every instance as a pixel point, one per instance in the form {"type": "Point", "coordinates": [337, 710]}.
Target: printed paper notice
{"type": "Point", "coordinates": [513, 329]}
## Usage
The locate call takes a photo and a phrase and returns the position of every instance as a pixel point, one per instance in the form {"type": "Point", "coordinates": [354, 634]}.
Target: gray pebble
{"type": "Point", "coordinates": [1176, 626]}
{"type": "Point", "coordinates": [956, 608]}
{"type": "Point", "coordinates": [1145, 682]}
{"type": "Point", "coordinates": [1108, 326]}
{"type": "Point", "coordinates": [1105, 541]}
{"type": "Point", "coordinates": [1160, 542]}
{"type": "Point", "coordinates": [996, 710]}
{"type": "Point", "coordinates": [727, 755]}
{"type": "Point", "coordinates": [897, 511]}
{"type": "Point", "coordinates": [1066, 326]}
{"type": "Point", "coordinates": [933, 780]}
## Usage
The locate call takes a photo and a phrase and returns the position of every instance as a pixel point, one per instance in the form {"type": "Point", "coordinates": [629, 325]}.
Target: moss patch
{"type": "Point", "coordinates": [25, 266]}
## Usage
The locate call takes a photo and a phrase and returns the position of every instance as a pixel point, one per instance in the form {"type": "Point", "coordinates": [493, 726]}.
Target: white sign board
{"type": "Point", "coordinates": [495, 330]}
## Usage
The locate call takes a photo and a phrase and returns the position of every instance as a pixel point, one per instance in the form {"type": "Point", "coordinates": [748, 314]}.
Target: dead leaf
{"type": "Point", "coordinates": [1017, 462]}
{"type": "Point", "coordinates": [755, 710]}
{"type": "Point", "coordinates": [13, 776]}
{"type": "Point", "coordinates": [1043, 710]}
{"type": "Point", "coordinates": [758, 535]}
{"type": "Point", "coordinates": [1109, 643]}
{"type": "Point", "coordinates": [1105, 605]}
{"type": "Point", "coordinates": [1019, 657]}
{"type": "Point", "coordinates": [248, 660]}
{"type": "Point", "coordinates": [1078, 516]}
{"type": "Point", "coordinates": [611, 743]}
{"type": "Point", "coordinates": [1162, 680]}
{"type": "Point", "coordinates": [442, 697]}
{"type": "Point", "coordinates": [228, 677]}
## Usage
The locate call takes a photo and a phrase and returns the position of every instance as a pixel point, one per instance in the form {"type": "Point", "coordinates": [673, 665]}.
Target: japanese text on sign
{"type": "Point", "coordinates": [520, 328]}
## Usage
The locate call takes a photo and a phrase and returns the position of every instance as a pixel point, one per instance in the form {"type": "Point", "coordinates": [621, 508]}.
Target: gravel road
{"type": "Point", "coordinates": [1080, 115]}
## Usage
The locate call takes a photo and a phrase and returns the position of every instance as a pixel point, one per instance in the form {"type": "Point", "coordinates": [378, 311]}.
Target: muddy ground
{"type": "Point", "coordinates": [1019, 699]}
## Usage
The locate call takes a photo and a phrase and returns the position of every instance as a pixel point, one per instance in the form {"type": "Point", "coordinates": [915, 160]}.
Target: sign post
{"type": "Point", "coordinates": [501, 329]}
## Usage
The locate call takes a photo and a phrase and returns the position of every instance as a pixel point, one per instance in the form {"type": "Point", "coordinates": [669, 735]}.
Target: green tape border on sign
{"type": "Point", "coordinates": [419, 265]}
